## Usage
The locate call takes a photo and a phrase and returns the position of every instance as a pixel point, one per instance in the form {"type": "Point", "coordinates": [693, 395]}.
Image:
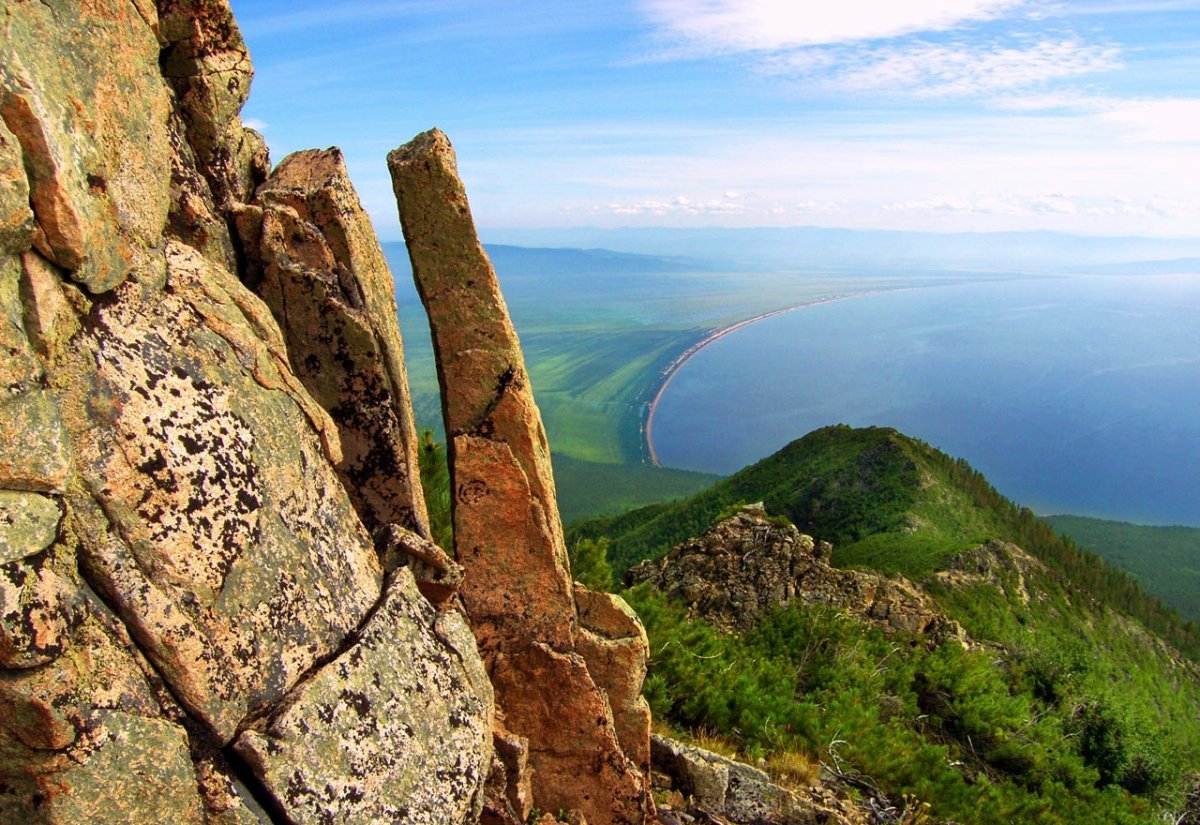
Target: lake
{"type": "Point", "coordinates": [1073, 395]}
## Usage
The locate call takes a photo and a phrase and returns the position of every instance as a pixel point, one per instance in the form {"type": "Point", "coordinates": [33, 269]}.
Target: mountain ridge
{"type": "Point", "coordinates": [1057, 705]}
{"type": "Point", "coordinates": [885, 501]}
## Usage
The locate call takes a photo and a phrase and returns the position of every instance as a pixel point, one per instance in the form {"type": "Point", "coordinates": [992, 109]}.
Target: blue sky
{"type": "Point", "coordinates": [938, 115]}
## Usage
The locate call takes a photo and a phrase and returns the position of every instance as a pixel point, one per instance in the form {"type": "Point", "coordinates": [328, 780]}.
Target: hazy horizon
{"type": "Point", "coordinates": [930, 115]}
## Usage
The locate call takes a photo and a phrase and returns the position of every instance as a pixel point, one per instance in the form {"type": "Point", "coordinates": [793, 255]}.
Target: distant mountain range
{"type": "Point", "coordinates": [559, 262]}
{"type": "Point", "coordinates": [555, 261]}
{"type": "Point", "coordinates": [818, 249]}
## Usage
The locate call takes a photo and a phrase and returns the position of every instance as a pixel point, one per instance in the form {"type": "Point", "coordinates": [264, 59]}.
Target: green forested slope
{"type": "Point", "coordinates": [887, 502]}
{"type": "Point", "coordinates": [1065, 708]}
{"type": "Point", "coordinates": [1164, 560]}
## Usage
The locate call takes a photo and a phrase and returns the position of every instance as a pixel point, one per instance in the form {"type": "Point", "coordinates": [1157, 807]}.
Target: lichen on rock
{"type": "Point", "coordinates": [324, 276]}
{"type": "Point", "coordinates": [81, 90]}
{"type": "Point", "coordinates": [213, 543]}
{"type": "Point", "coordinates": [374, 736]}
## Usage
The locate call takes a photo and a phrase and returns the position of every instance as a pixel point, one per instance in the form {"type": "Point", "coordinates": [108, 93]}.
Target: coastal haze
{"type": "Point", "coordinates": [761, 156]}
{"type": "Point", "coordinates": [1072, 395]}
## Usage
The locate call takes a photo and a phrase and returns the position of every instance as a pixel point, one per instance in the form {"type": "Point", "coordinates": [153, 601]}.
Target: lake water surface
{"type": "Point", "coordinates": [1077, 395]}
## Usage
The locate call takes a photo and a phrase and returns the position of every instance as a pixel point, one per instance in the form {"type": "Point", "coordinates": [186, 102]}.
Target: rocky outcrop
{"type": "Point", "coordinates": [614, 644]}
{"type": "Point", "coordinates": [715, 788]}
{"type": "Point", "coordinates": [196, 621]}
{"type": "Point", "coordinates": [750, 564]}
{"type": "Point", "coordinates": [998, 563]}
{"type": "Point", "coordinates": [323, 274]}
{"type": "Point", "coordinates": [83, 95]}
{"type": "Point", "coordinates": [506, 525]}
{"type": "Point", "coordinates": [551, 678]}
{"type": "Point", "coordinates": [508, 797]}
{"type": "Point", "coordinates": [219, 599]}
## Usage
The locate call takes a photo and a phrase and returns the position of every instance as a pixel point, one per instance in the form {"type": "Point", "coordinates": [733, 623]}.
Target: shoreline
{"type": "Point", "coordinates": [669, 372]}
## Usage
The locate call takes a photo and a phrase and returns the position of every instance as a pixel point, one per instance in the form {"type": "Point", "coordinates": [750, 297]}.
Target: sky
{"type": "Point", "coordinates": [927, 115]}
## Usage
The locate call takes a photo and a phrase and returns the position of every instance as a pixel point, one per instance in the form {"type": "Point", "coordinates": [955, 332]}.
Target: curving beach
{"type": "Point", "coordinates": [669, 372]}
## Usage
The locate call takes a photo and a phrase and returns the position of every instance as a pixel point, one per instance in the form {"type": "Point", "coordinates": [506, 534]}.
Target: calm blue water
{"type": "Point", "coordinates": [1073, 395]}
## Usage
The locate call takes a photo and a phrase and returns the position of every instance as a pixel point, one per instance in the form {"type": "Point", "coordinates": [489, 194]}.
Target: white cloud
{"type": "Point", "coordinates": [882, 47]}
{"type": "Point", "coordinates": [725, 26]}
{"type": "Point", "coordinates": [931, 70]}
{"type": "Point", "coordinates": [255, 124]}
{"type": "Point", "coordinates": [815, 207]}
{"type": "Point", "coordinates": [1172, 120]}
{"type": "Point", "coordinates": [682, 205]}
{"type": "Point", "coordinates": [1035, 204]}
{"type": "Point", "coordinates": [1163, 120]}
{"type": "Point", "coordinates": [1023, 101]}
{"type": "Point", "coordinates": [1059, 170]}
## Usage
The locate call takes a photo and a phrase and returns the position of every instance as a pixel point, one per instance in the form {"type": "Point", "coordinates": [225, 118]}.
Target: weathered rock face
{"type": "Point", "coordinates": [508, 797]}
{"type": "Point", "coordinates": [748, 565]}
{"type": "Point", "coordinates": [189, 597]}
{"type": "Point", "coordinates": [329, 287]}
{"type": "Point", "coordinates": [506, 525]}
{"type": "Point", "coordinates": [715, 786]}
{"type": "Point", "coordinates": [90, 116]}
{"type": "Point", "coordinates": [614, 644]}
{"type": "Point", "coordinates": [366, 738]}
{"type": "Point", "coordinates": [216, 526]}
{"type": "Point", "coordinates": [218, 598]}
{"type": "Point", "coordinates": [999, 563]}
{"type": "Point", "coordinates": [517, 588]}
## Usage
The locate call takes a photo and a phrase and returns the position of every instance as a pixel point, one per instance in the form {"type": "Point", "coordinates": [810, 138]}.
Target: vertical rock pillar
{"type": "Point", "coordinates": [517, 587]}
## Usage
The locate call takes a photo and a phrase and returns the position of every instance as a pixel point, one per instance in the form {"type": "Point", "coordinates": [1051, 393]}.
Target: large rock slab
{"type": "Point", "coordinates": [739, 794]}
{"type": "Point", "coordinates": [327, 282]}
{"type": "Point", "coordinates": [613, 642]}
{"type": "Point", "coordinates": [573, 748]}
{"type": "Point", "coordinates": [82, 92]}
{"type": "Point", "coordinates": [33, 442]}
{"type": "Point", "coordinates": [91, 735]}
{"type": "Point", "coordinates": [215, 523]}
{"type": "Point", "coordinates": [206, 62]}
{"type": "Point", "coordinates": [37, 608]}
{"type": "Point", "coordinates": [133, 769]}
{"type": "Point", "coordinates": [514, 587]}
{"type": "Point", "coordinates": [398, 728]}
{"type": "Point", "coordinates": [179, 560]}
{"type": "Point", "coordinates": [28, 524]}
{"type": "Point", "coordinates": [16, 217]}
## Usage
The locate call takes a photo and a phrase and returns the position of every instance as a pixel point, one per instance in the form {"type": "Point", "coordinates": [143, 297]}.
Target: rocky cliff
{"type": "Point", "coordinates": [218, 597]}
{"type": "Point", "coordinates": [749, 564]}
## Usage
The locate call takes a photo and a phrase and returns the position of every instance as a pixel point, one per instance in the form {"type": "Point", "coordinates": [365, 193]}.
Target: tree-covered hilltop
{"type": "Point", "coordinates": [890, 503]}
